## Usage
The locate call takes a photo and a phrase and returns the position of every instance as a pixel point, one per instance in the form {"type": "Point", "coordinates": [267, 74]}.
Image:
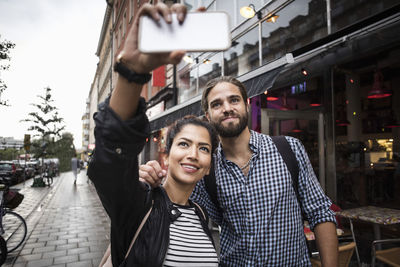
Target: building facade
{"type": "Point", "coordinates": [10, 142]}
{"type": "Point", "coordinates": [326, 72]}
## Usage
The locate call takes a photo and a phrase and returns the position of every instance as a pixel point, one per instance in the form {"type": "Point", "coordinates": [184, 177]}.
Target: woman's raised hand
{"type": "Point", "coordinates": [145, 63]}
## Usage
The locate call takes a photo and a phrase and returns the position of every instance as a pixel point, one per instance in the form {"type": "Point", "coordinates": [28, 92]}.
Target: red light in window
{"type": "Point", "coordinates": [272, 98]}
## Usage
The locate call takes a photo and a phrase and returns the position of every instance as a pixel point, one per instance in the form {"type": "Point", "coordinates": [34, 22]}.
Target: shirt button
{"type": "Point", "coordinates": [173, 212]}
{"type": "Point", "coordinates": [118, 150]}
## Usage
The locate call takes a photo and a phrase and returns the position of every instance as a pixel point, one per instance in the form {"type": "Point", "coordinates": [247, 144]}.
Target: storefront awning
{"type": "Point", "coordinates": [169, 116]}
{"type": "Point", "coordinates": [256, 82]}
{"type": "Point", "coordinates": [262, 83]}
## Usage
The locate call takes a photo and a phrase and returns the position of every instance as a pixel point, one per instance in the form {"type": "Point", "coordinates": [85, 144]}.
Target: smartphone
{"type": "Point", "coordinates": [200, 32]}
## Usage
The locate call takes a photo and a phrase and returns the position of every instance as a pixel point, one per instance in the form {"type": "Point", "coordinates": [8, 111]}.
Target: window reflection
{"type": "Point", "coordinates": [210, 68]}
{"type": "Point", "coordinates": [347, 12]}
{"type": "Point", "coordinates": [187, 84]}
{"type": "Point", "coordinates": [192, 5]}
{"type": "Point", "coordinates": [300, 23]}
{"type": "Point", "coordinates": [243, 55]}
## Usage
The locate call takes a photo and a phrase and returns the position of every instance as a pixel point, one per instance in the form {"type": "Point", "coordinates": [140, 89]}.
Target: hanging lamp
{"type": "Point", "coordinates": [378, 89]}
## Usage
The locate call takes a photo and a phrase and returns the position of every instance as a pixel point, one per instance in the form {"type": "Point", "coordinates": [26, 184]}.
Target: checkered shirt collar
{"type": "Point", "coordinates": [254, 146]}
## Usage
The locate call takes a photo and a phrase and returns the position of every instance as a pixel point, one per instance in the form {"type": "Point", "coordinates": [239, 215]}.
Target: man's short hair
{"type": "Point", "coordinates": [212, 83]}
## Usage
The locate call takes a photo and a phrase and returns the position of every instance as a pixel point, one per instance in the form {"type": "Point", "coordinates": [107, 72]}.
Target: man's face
{"type": "Point", "coordinates": [227, 110]}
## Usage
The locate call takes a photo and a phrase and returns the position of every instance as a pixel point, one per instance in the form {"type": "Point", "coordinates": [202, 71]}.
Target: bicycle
{"type": "Point", "coordinates": [3, 250]}
{"type": "Point", "coordinates": [12, 226]}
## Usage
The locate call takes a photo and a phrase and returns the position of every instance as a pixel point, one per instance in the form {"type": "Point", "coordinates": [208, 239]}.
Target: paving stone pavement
{"type": "Point", "coordinates": [67, 225]}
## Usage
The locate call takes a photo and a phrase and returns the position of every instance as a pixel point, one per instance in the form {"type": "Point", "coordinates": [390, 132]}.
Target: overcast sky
{"type": "Point", "coordinates": [56, 42]}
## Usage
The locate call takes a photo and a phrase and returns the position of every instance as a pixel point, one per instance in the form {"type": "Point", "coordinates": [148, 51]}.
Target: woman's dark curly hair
{"type": "Point", "coordinates": [177, 126]}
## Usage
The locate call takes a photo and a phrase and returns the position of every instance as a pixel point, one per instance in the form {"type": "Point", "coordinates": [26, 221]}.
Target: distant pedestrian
{"type": "Point", "coordinates": [74, 167]}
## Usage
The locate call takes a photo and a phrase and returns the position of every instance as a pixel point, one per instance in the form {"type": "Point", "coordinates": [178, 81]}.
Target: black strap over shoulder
{"type": "Point", "coordinates": [290, 160]}
{"type": "Point", "coordinates": [211, 185]}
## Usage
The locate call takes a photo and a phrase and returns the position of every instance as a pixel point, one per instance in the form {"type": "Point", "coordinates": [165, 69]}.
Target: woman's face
{"type": "Point", "coordinates": [189, 158]}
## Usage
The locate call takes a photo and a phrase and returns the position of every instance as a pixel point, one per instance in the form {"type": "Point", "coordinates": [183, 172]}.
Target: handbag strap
{"type": "Point", "coordinates": [202, 212]}
{"type": "Point", "coordinates": [139, 229]}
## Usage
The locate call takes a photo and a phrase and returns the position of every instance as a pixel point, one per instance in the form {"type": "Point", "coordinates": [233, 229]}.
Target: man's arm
{"type": "Point", "coordinates": [327, 243]}
{"type": "Point", "coordinates": [316, 206]}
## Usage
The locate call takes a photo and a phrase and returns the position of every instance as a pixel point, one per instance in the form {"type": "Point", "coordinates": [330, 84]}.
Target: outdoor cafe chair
{"type": "Point", "coordinates": [345, 253]}
{"type": "Point", "coordinates": [390, 256]}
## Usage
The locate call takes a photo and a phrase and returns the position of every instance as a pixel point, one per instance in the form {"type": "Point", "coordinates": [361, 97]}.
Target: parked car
{"type": "Point", "coordinates": [20, 169]}
{"type": "Point", "coordinates": [28, 169]}
{"type": "Point", "coordinates": [10, 173]}
{"type": "Point", "coordinates": [35, 164]}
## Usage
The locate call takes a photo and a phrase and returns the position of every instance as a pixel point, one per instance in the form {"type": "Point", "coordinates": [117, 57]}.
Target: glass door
{"type": "Point", "coordinates": [307, 126]}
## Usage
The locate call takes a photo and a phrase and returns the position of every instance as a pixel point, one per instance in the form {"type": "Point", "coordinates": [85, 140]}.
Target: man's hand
{"type": "Point", "coordinates": [144, 63]}
{"type": "Point", "coordinates": [152, 173]}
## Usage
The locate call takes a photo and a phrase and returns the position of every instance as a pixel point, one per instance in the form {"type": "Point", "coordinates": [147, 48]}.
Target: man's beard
{"type": "Point", "coordinates": [231, 130]}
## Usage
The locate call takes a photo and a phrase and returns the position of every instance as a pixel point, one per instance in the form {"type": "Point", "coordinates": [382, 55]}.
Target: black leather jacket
{"type": "Point", "coordinates": [114, 172]}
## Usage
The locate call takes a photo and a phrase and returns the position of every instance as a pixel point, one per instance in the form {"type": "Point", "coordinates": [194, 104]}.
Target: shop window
{"type": "Point", "coordinates": [368, 144]}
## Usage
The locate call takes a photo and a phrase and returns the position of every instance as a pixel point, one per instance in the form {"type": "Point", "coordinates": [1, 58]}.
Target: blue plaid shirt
{"type": "Point", "coordinates": [260, 218]}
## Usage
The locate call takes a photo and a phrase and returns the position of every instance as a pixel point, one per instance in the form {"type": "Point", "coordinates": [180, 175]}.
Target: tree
{"type": "Point", "coordinates": [64, 151]}
{"type": "Point", "coordinates": [8, 154]}
{"type": "Point", "coordinates": [5, 47]}
{"type": "Point", "coordinates": [45, 122]}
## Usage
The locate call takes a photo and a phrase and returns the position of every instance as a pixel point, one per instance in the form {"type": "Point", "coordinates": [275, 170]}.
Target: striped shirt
{"type": "Point", "coordinates": [189, 245]}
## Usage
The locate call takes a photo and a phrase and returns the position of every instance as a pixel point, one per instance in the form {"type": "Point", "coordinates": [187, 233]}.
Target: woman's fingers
{"type": "Point", "coordinates": [180, 11]}
{"type": "Point", "coordinates": [201, 9]}
{"type": "Point", "coordinates": [164, 11]}
{"type": "Point", "coordinates": [149, 10]}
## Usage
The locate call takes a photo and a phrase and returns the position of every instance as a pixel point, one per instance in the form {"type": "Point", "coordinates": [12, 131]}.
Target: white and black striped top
{"type": "Point", "coordinates": [189, 245]}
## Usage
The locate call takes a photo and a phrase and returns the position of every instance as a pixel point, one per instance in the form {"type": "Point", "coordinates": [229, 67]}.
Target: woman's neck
{"type": "Point", "coordinates": [178, 193]}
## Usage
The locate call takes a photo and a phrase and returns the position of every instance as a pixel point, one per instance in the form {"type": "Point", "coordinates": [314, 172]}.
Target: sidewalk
{"type": "Point", "coordinates": [67, 225]}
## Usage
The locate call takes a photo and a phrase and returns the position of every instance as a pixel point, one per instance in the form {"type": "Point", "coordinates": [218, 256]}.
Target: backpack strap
{"type": "Point", "coordinates": [211, 185]}
{"type": "Point", "coordinates": [290, 160]}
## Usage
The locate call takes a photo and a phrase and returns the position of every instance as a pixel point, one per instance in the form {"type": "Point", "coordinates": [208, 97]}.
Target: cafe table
{"type": "Point", "coordinates": [375, 215]}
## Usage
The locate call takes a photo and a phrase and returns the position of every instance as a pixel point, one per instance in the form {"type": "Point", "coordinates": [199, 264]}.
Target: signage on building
{"type": "Point", "coordinates": [155, 110]}
{"type": "Point", "coordinates": [299, 88]}
{"type": "Point", "coordinates": [27, 142]}
{"type": "Point", "coordinates": [159, 76]}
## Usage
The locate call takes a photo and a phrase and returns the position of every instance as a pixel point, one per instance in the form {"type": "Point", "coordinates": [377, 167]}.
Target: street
{"type": "Point", "coordinates": [67, 225]}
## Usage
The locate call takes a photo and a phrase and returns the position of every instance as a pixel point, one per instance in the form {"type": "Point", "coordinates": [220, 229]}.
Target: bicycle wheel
{"type": "Point", "coordinates": [3, 250]}
{"type": "Point", "coordinates": [14, 230]}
